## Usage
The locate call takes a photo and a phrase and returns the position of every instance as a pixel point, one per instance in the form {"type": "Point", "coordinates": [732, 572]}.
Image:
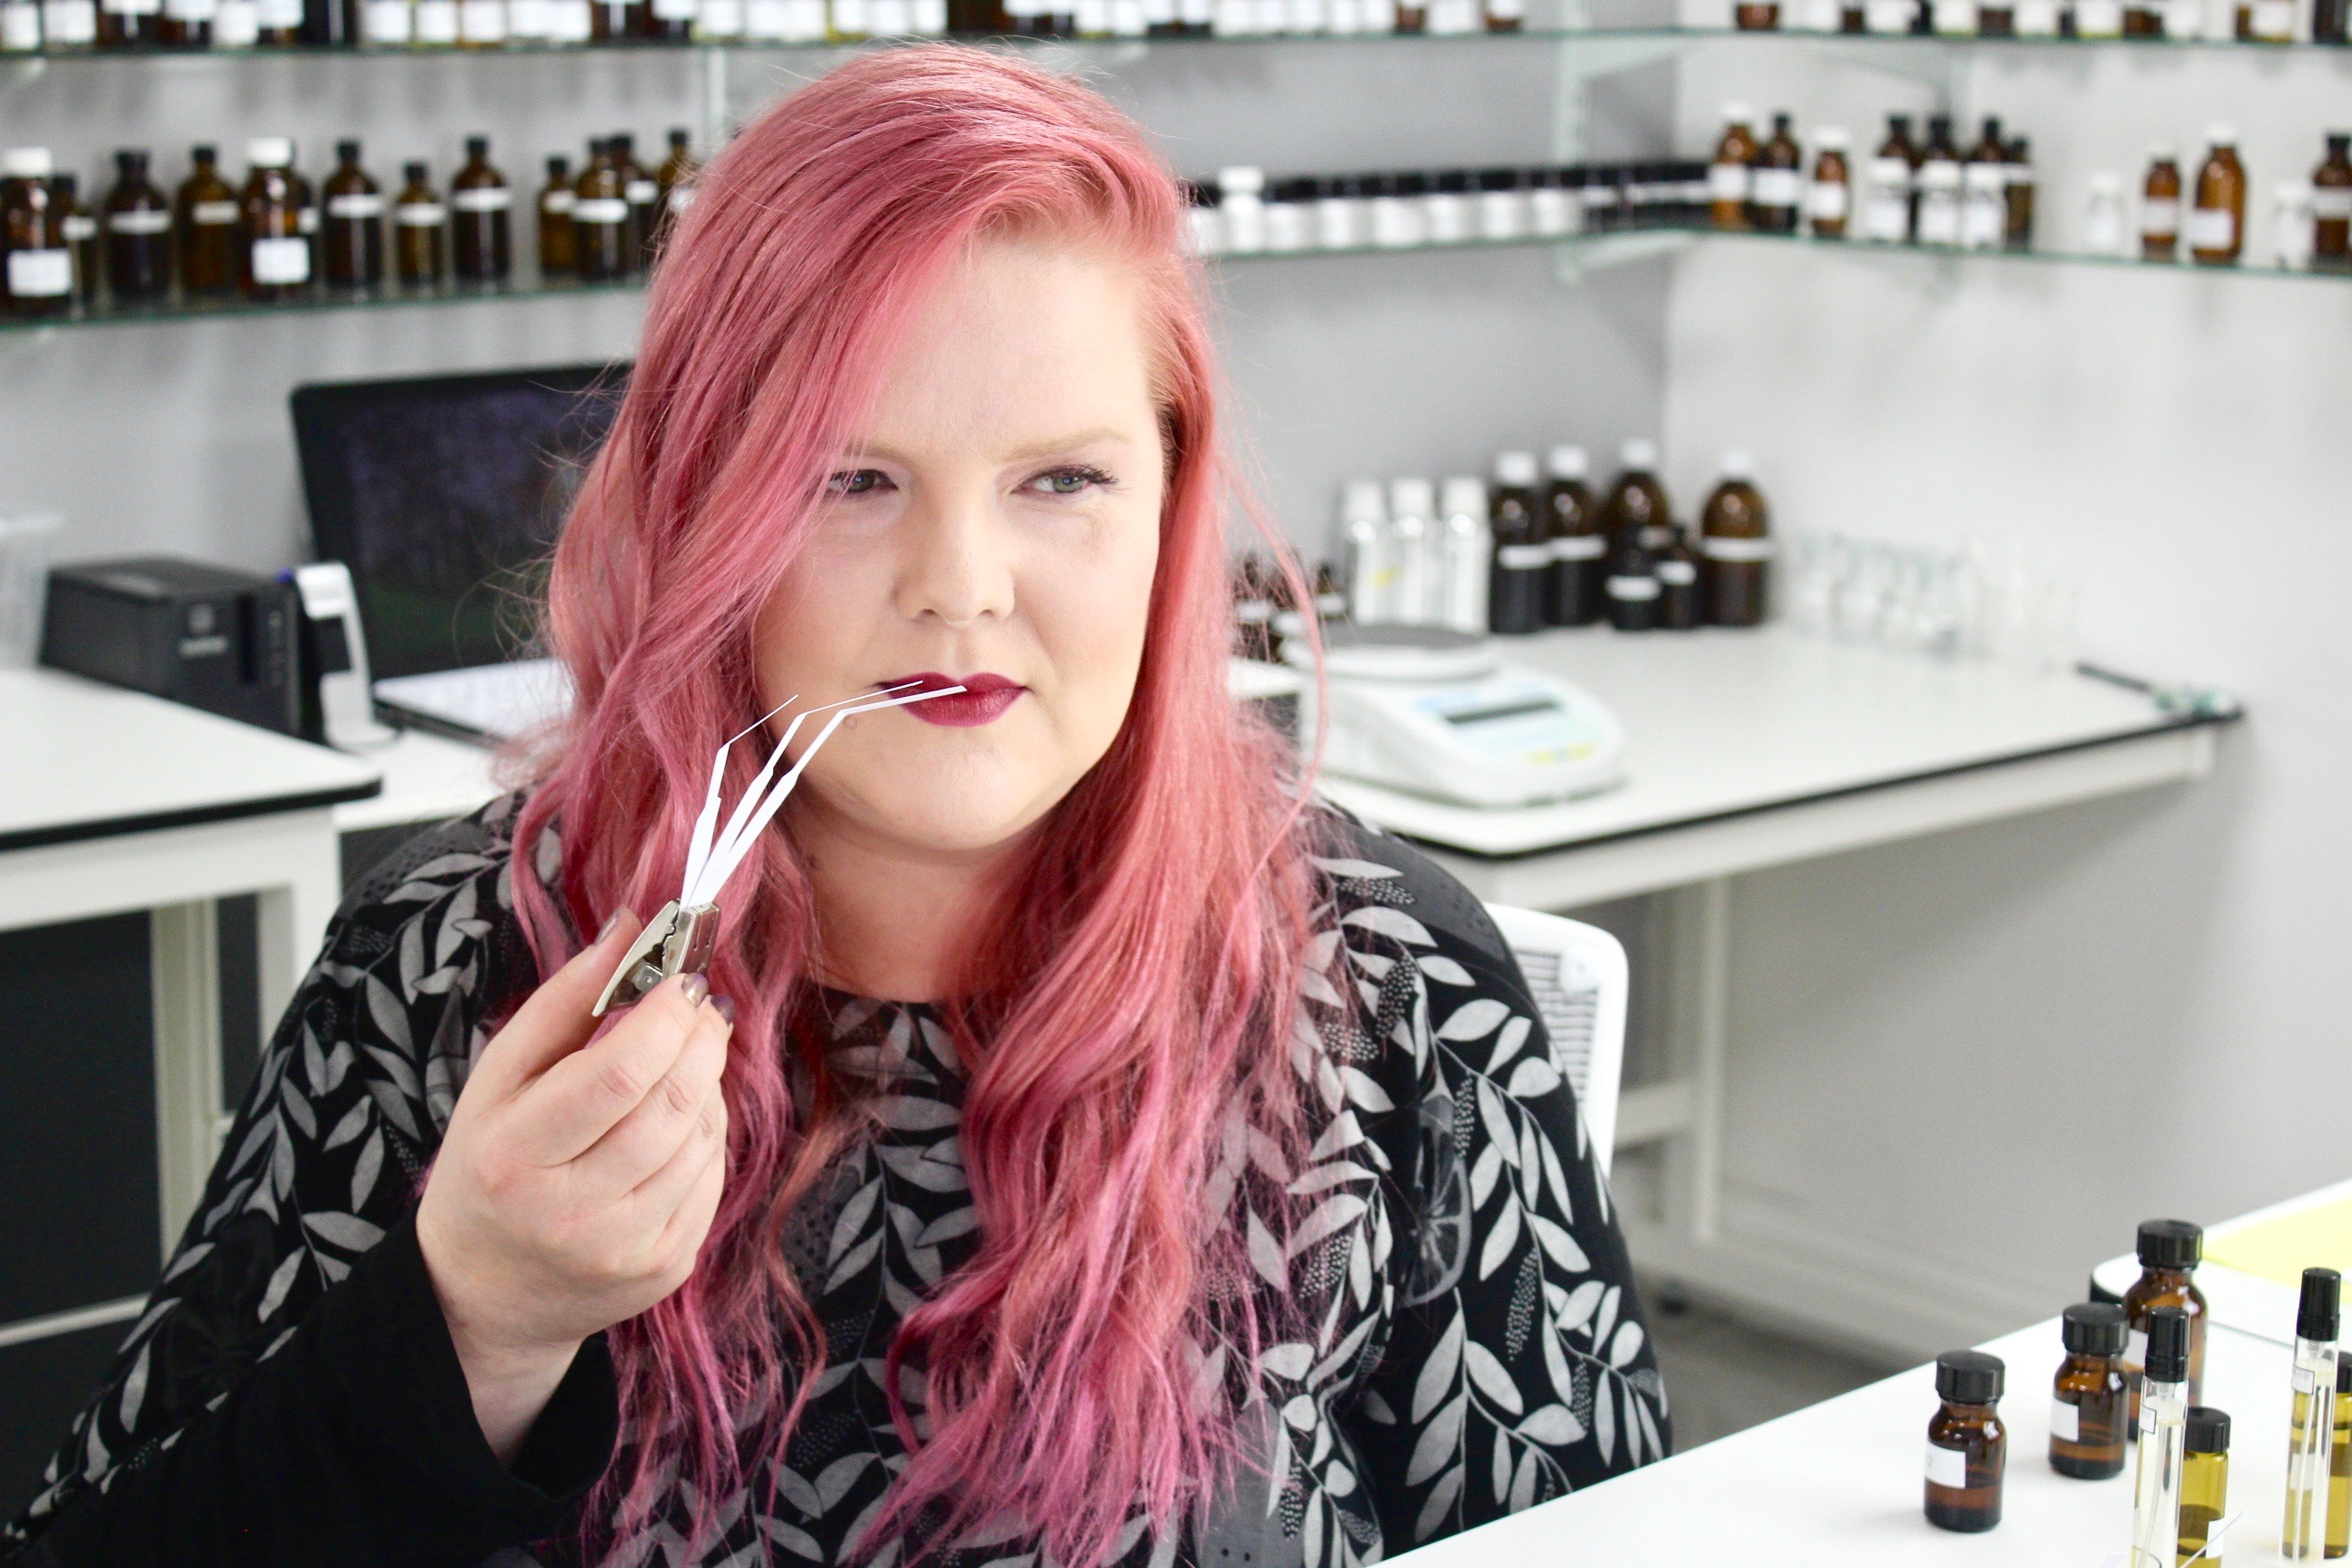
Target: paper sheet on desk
{"type": "Point", "coordinates": [2282, 1248]}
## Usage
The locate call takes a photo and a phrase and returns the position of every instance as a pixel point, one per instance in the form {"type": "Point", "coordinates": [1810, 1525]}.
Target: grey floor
{"type": "Point", "coordinates": [1723, 1374]}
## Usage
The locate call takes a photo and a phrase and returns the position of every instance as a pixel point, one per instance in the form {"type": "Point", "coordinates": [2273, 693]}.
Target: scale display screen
{"type": "Point", "coordinates": [1526, 725]}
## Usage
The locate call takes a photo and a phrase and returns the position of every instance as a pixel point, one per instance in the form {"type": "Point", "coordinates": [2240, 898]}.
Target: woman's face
{"type": "Point", "coordinates": [994, 523]}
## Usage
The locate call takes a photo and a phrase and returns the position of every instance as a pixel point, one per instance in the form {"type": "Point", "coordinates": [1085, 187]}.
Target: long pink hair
{"type": "Point", "coordinates": [1136, 992]}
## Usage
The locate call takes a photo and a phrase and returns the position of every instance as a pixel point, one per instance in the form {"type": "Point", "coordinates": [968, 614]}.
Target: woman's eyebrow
{"type": "Point", "coordinates": [1101, 434]}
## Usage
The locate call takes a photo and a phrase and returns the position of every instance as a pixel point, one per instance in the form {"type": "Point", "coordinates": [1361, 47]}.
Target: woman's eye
{"type": "Point", "coordinates": [856, 482]}
{"type": "Point", "coordinates": [1069, 481]}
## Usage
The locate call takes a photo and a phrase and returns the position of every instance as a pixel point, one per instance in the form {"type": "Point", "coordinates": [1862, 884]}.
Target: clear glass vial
{"type": "Point", "coordinates": [2204, 1482]}
{"type": "Point", "coordinates": [2314, 1418]}
{"type": "Point", "coordinates": [1967, 1446]}
{"type": "Point", "coordinates": [2163, 1417]}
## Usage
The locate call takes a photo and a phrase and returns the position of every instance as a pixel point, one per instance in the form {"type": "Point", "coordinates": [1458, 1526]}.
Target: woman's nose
{"type": "Point", "coordinates": [959, 564]}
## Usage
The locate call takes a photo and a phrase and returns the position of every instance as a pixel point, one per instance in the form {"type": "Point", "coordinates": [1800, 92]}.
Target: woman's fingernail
{"type": "Point", "coordinates": [611, 921]}
{"type": "Point", "coordinates": [694, 988]}
{"type": "Point", "coordinates": [726, 1005]}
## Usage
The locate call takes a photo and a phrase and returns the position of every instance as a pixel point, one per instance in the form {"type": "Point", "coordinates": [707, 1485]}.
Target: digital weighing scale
{"type": "Point", "coordinates": [1439, 713]}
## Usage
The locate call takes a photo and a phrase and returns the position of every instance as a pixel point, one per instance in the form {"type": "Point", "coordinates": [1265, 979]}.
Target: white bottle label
{"type": "Point", "coordinates": [1633, 590]}
{"type": "Point", "coordinates": [2332, 204]}
{"type": "Point", "coordinates": [1956, 17]}
{"type": "Point", "coordinates": [191, 10]}
{"type": "Point", "coordinates": [600, 209]}
{"type": "Point", "coordinates": [1727, 181]}
{"type": "Point", "coordinates": [2065, 1421]}
{"type": "Point", "coordinates": [1579, 547]}
{"type": "Point", "coordinates": [20, 26]}
{"type": "Point", "coordinates": [2099, 18]}
{"type": "Point", "coordinates": [557, 201]}
{"type": "Point", "coordinates": [896, 19]}
{"type": "Point", "coordinates": [1677, 574]}
{"type": "Point", "coordinates": [1887, 16]}
{"type": "Point", "coordinates": [306, 220]}
{"type": "Point", "coordinates": [1777, 187]}
{"type": "Point", "coordinates": [212, 212]}
{"type": "Point", "coordinates": [2273, 20]}
{"type": "Point", "coordinates": [486, 199]}
{"type": "Point", "coordinates": [237, 26]}
{"type": "Point", "coordinates": [530, 19]}
{"type": "Point", "coordinates": [675, 10]}
{"type": "Point", "coordinates": [1948, 1467]}
{"type": "Point", "coordinates": [2212, 228]}
{"type": "Point", "coordinates": [356, 205]}
{"type": "Point", "coordinates": [67, 21]}
{"type": "Point", "coordinates": [277, 14]}
{"type": "Point", "coordinates": [720, 19]}
{"type": "Point", "coordinates": [2135, 1350]}
{"type": "Point", "coordinates": [140, 222]}
{"type": "Point", "coordinates": [279, 262]}
{"type": "Point", "coordinates": [2159, 217]}
{"type": "Point", "coordinates": [40, 274]}
{"type": "Point", "coordinates": [436, 21]}
{"type": "Point", "coordinates": [574, 23]}
{"type": "Point", "coordinates": [420, 214]}
{"type": "Point", "coordinates": [1715, 548]}
{"type": "Point", "coordinates": [1939, 219]}
{"type": "Point", "coordinates": [642, 193]}
{"type": "Point", "coordinates": [849, 18]}
{"type": "Point", "coordinates": [386, 22]}
{"type": "Point", "coordinates": [1523, 557]}
{"type": "Point", "coordinates": [1826, 201]}
{"type": "Point", "coordinates": [482, 21]}
{"type": "Point", "coordinates": [130, 8]}
{"type": "Point", "coordinates": [765, 19]}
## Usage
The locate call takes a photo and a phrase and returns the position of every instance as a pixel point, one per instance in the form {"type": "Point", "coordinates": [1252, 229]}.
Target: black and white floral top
{"type": "Point", "coordinates": [290, 1396]}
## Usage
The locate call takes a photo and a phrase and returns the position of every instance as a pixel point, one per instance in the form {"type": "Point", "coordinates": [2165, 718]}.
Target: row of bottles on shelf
{"type": "Point", "coordinates": [65, 24]}
{"type": "Point", "coordinates": [1537, 548]}
{"type": "Point", "coordinates": [1934, 192]}
{"type": "Point", "coordinates": [2311, 223]}
{"type": "Point", "coordinates": [1241, 212]}
{"type": "Point", "coordinates": [2219, 21]}
{"type": "Point", "coordinates": [273, 239]}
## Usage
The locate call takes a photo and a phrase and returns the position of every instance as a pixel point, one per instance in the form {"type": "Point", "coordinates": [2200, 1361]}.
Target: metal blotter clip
{"type": "Point", "coordinates": [683, 934]}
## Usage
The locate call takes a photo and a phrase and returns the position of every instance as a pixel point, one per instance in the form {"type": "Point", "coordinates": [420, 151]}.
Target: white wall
{"type": "Point", "coordinates": [1963, 1068]}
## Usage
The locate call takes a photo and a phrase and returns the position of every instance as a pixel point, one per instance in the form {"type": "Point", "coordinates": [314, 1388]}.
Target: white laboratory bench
{"type": "Point", "coordinates": [113, 801]}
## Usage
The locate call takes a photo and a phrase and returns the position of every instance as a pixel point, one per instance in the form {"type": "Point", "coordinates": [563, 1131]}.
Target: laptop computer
{"type": "Point", "coordinates": [444, 495]}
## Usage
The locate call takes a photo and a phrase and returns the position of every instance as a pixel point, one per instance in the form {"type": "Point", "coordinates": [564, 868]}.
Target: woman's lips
{"type": "Point", "coordinates": [983, 698]}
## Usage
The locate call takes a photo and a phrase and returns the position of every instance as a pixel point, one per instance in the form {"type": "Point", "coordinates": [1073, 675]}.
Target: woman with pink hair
{"type": "Point", "coordinates": [1080, 1142]}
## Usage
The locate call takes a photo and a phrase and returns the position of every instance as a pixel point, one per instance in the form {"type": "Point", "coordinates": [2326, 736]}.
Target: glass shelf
{"type": "Point", "coordinates": [1553, 36]}
{"type": "Point", "coordinates": [1593, 250]}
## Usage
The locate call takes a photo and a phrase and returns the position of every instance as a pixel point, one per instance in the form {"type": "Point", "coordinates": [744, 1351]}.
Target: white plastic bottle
{"type": "Point", "coordinates": [1413, 580]}
{"type": "Point", "coordinates": [1466, 548]}
{"type": "Point", "coordinates": [1363, 551]}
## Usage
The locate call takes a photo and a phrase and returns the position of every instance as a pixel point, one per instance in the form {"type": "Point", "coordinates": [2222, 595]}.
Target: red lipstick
{"type": "Point", "coordinates": [983, 698]}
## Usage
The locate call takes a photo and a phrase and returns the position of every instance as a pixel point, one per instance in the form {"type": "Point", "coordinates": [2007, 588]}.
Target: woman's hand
{"type": "Point", "coordinates": [577, 1180]}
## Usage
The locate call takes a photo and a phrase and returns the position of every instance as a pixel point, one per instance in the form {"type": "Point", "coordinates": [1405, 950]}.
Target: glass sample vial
{"type": "Point", "coordinates": [1967, 1446]}
{"type": "Point", "coordinates": [2168, 1253]}
{"type": "Point", "coordinates": [1576, 594]}
{"type": "Point", "coordinates": [1829, 196]}
{"type": "Point", "coordinates": [2159, 206]}
{"type": "Point", "coordinates": [420, 228]}
{"type": "Point", "coordinates": [277, 252]}
{"type": "Point", "coordinates": [355, 222]}
{"type": "Point", "coordinates": [2217, 223]}
{"type": "Point", "coordinates": [2313, 1421]}
{"type": "Point", "coordinates": [2088, 1398]}
{"type": "Point", "coordinates": [1365, 562]}
{"type": "Point", "coordinates": [137, 218]}
{"type": "Point", "coordinates": [2204, 1482]}
{"type": "Point", "coordinates": [555, 200]}
{"type": "Point", "coordinates": [1727, 177]}
{"type": "Point", "coordinates": [482, 248]}
{"type": "Point", "coordinates": [1522, 567]}
{"type": "Point", "coordinates": [2103, 215]}
{"type": "Point", "coordinates": [2339, 1462]}
{"type": "Point", "coordinates": [1735, 545]}
{"type": "Point", "coordinates": [2162, 1420]}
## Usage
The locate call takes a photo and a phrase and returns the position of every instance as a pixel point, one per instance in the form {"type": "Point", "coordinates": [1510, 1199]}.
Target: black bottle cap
{"type": "Point", "coordinates": [1969, 1377]}
{"type": "Point", "coordinates": [558, 166]}
{"type": "Point", "coordinates": [1454, 182]}
{"type": "Point", "coordinates": [478, 147]}
{"type": "Point", "coordinates": [1899, 125]}
{"type": "Point", "coordinates": [204, 152]}
{"type": "Point", "coordinates": [1501, 179]}
{"type": "Point", "coordinates": [679, 137]}
{"type": "Point", "coordinates": [412, 173]}
{"type": "Point", "coordinates": [624, 144]}
{"type": "Point", "coordinates": [2093, 1328]}
{"type": "Point", "coordinates": [1413, 182]}
{"type": "Point", "coordinates": [1992, 128]}
{"type": "Point", "coordinates": [65, 185]}
{"type": "Point", "coordinates": [2168, 1345]}
{"type": "Point", "coordinates": [2170, 1244]}
{"type": "Point", "coordinates": [2207, 1430]}
{"type": "Point", "coordinates": [348, 150]}
{"type": "Point", "coordinates": [2019, 147]}
{"type": "Point", "coordinates": [2316, 1317]}
{"type": "Point", "coordinates": [1781, 123]}
{"type": "Point", "coordinates": [1939, 126]}
{"type": "Point", "coordinates": [131, 160]}
{"type": "Point", "coordinates": [2339, 142]}
{"type": "Point", "coordinates": [2344, 1374]}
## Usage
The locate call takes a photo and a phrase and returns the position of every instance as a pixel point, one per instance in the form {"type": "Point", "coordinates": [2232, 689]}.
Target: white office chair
{"type": "Point", "coordinates": [1577, 975]}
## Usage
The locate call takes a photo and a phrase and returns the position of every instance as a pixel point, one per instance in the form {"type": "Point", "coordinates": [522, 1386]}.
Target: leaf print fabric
{"type": "Point", "coordinates": [1468, 1342]}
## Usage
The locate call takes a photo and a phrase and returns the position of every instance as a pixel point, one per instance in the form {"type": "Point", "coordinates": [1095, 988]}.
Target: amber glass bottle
{"type": "Point", "coordinates": [79, 226]}
{"type": "Point", "coordinates": [1777, 180]}
{"type": "Point", "coordinates": [1636, 505]}
{"type": "Point", "coordinates": [643, 192]}
{"type": "Point", "coordinates": [2160, 207]}
{"type": "Point", "coordinates": [1757, 16]}
{"type": "Point", "coordinates": [277, 253]}
{"type": "Point", "coordinates": [205, 211]}
{"type": "Point", "coordinates": [1682, 604]}
{"type": "Point", "coordinates": [1967, 1444]}
{"type": "Point", "coordinates": [2017, 197]}
{"type": "Point", "coordinates": [1829, 196]}
{"type": "Point", "coordinates": [601, 235]}
{"type": "Point", "coordinates": [1577, 594]}
{"type": "Point", "coordinates": [673, 185]}
{"type": "Point", "coordinates": [2169, 1254]}
{"type": "Point", "coordinates": [2217, 223]}
{"type": "Point", "coordinates": [2331, 204]}
{"type": "Point", "coordinates": [1519, 569]}
{"type": "Point", "coordinates": [481, 218]}
{"type": "Point", "coordinates": [1729, 177]}
{"type": "Point", "coordinates": [39, 275]}
{"type": "Point", "coordinates": [130, 24]}
{"type": "Point", "coordinates": [1633, 587]}
{"type": "Point", "coordinates": [555, 200]}
{"type": "Point", "coordinates": [2088, 1396]}
{"type": "Point", "coordinates": [1736, 546]}
{"type": "Point", "coordinates": [137, 218]}
{"type": "Point", "coordinates": [355, 222]}
{"type": "Point", "coordinates": [420, 230]}
{"type": "Point", "coordinates": [2204, 1482]}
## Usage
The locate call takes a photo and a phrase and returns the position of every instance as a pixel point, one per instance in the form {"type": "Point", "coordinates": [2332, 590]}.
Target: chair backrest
{"type": "Point", "coordinates": [1577, 975]}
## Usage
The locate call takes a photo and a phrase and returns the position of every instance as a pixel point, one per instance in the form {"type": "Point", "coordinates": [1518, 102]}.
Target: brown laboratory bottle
{"type": "Point", "coordinates": [1681, 604]}
{"type": "Point", "coordinates": [2088, 1396]}
{"type": "Point", "coordinates": [39, 275]}
{"type": "Point", "coordinates": [2169, 1251]}
{"type": "Point", "coordinates": [1829, 196]}
{"type": "Point", "coordinates": [1736, 546]}
{"type": "Point", "coordinates": [643, 192]}
{"type": "Point", "coordinates": [277, 253]}
{"type": "Point", "coordinates": [2217, 223]}
{"type": "Point", "coordinates": [601, 236]}
{"type": "Point", "coordinates": [1757, 16]}
{"type": "Point", "coordinates": [205, 211]}
{"type": "Point", "coordinates": [137, 223]}
{"type": "Point", "coordinates": [1968, 1443]}
{"type": "Point", "coordinates": [2160, 207]}
{"type": "Point", "coordinates": [555, 254]}
{"type": "Point", "coordinates": [1519, 570]}
{"type": "Point", "coordinates": [1729, 177]}
{"type": "Point", "coordinates": [481, 218]}
{"type": "Point", "coordinates": [2017, 197]}
{"type": "Point", "coordinates": [1777, 180]}
{"type": "Point", "coordinates": [1411, 16]}
{"type": "Point", "coordinates": [353, 226]}
{"type": "Point", "coordinates": [1578, 593]}
{"type": "Point", "coordinates": [79, 226]}
{"type": "Point", "coordinates": [420, 230]}
{"type": "Point", "coordinates": [1637, 505]}
{"type": "Point", "coordinates": [130, 24]}
{"type": "Point", "coordinates": [673, 185]}
{"type": "Point", "coordinates": [2331, 204]}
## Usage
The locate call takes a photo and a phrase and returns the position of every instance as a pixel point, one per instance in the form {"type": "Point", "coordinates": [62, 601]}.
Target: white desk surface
{"type": "Point", "coordinates": [1723, 722]}
{"type": "Point", "coordinates": [425, 778]}
{"type": "Point", "coordinates": [82, 760]}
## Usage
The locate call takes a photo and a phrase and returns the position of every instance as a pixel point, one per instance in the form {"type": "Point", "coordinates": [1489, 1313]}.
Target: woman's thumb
{"type": "Point", "coordinates": [554, 1020]}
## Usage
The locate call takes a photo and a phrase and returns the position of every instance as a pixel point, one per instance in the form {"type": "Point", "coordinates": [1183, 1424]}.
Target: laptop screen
{"type": "Point", "coordinates": [444, 495]}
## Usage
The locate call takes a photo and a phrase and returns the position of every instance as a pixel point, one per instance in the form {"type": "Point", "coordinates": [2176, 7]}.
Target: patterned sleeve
{"type": "Point", "coordinates": [1518, 1368]}
{"type": "Point", "coordinates": [343, 1113]}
